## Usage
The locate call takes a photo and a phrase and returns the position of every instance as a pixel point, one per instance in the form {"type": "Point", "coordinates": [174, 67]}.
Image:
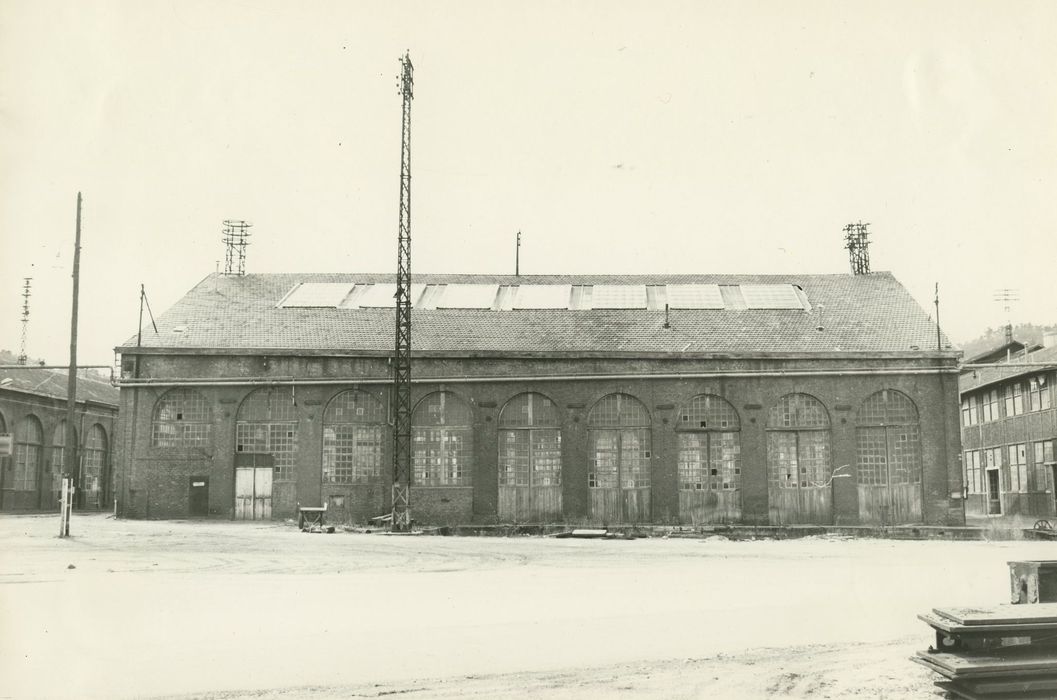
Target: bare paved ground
{"type": "Point", "coordinates": [244, 610]}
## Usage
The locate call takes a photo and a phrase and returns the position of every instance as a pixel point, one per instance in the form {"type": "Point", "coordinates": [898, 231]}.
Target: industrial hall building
{"type": "Point", "coordinates": [606, 400]}
{"type": "Point", "coordinates": [33, 414]}
{"type": "Point", "coordinates": [1009, 434]}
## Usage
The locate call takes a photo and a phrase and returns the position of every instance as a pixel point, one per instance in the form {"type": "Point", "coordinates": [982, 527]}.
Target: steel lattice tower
{"type": "Point", "coordinates": [855, 240]}
{"type": "Point", "coordinates": [236, 238]}
{"type": "Point", "coordinates": [402, 365]}
{"type": "Point", "coordinates": [26, 294]}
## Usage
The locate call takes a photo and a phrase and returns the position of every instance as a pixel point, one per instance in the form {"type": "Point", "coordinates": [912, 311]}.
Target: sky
{"type": "Point", "coordinates": [618, 137]}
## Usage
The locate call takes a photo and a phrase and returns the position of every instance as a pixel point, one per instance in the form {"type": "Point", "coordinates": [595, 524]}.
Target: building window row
{"type": "Point", "coordinates": [1022, 396]}
{"type": "Point", "coordinates": [1015, 474]}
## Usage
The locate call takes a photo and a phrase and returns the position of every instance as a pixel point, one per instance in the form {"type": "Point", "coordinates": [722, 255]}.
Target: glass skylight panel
{"type": "Point", "coordinates": [771, 296]}
{"type": "Point", "coordinates": [378, 296]}
{"type": "Point", "coordinates": [468, 296]}
{"type": "Point", "coordinates": [619, 296]}
{"type": "Point", "coordinates": [694, 296]}
{"type": "Point", "coordinates": [542, 296]}
{"type": "Point", "coordinates": [317, 294]}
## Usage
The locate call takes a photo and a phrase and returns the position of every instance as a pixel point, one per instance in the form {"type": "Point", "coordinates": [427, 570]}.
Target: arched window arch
{"type": "Point", "coordinates": [182, 418]}
{"type": "Point", "coordinates": [709, 445]}
{"type": "Point", "coordinates": [266, 423]}
{"type": "Point", "coordinates": [442, 441]}
{"type": "Point", "coordinates": [530, 442]}
{"type": "Point", "coordinates": [3, 429]}
{"type": "Point", "coordinates": [353, 432]}
{"type": "Point", "coordinates": [619, 429]}
{"type": "Point", "coordinates": [29, 445]}
{"type": "Point", "coordinates": [888, 440]}
{"type": "Point", "coordinates": [798, 460]}
{"type": "Point", "coordinates": [95, 465]}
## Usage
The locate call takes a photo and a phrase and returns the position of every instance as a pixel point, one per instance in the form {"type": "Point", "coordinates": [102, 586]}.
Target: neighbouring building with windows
{"type": "Point", "coordinates": [690, 399]}
{"type": "Point", "coordinates": [33, 414]}
{"type": "Point", "coordinates": [1009, 427]}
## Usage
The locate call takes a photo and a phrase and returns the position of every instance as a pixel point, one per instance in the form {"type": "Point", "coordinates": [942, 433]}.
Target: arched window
{"type": "Point", "coordinates": [798, 459]}
{"type": "Point", "coordinates": [442, 441]}
{"type": "Point", "coordinates": [29, 443]}
{"type": "Point", "coordinates": [95, 464]}
{"type": "Point", "coordinates": [353, 430]}
{"type": "Point", "coordinates": [267, 424]}
{"type": "Point", "coordinates": [619, 430]}
{"type": "Point", "coordinates": [889, 440]}
{"type": "Point", "coordinates": [530, 442]}
{"type": "Point", "coordinates": [709, 445]}
{"type": "Point", "coordinates": [182, 418]}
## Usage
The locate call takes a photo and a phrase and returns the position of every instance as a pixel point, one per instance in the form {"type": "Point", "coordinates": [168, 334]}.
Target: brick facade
{"type": "Point", "coordinates": [154, 481]}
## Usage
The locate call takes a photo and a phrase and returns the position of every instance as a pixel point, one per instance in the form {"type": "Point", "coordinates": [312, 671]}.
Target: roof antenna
{"type": "Point", "coordinates": [855, 236]}
{"type": "Point", "coordinates": [236, 238]}
{"type": "Point", "coordinates": [26, 294]}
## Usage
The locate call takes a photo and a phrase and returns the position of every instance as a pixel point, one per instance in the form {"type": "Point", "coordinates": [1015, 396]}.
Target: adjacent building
{"type": "Point", "coordinates": [1009, 429]}
{"type": "Point", "coordinates": [680, 399]}
{"type": "Point", "coordinates": [33, 403]}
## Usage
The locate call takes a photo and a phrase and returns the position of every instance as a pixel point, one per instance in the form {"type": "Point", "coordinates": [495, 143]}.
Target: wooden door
{"type": "Point", "coordinates": [530, 475]}
{"type": "Point", "coordinates": [199, 496]}
{"type": "Point", "coordinates": [253, 493]}
{"type": "Point", "coordinates": [889, 475]}
{"type": "Point", "coordinates": [800, 489]}
{"type": "Point", "coordinates": [619, 482]}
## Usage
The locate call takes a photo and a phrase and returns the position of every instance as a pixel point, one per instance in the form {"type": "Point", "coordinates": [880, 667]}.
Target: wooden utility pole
{"type": "Point", "coordinates": [70, 464]}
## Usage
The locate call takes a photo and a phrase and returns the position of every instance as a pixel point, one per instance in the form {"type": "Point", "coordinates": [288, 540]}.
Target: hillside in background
{"type": "Point", "coordinates": [1027, 333]}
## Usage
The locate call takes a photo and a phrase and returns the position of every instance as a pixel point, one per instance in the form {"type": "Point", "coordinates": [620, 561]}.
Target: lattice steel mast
{"type": "Point", "coordinates": [855, 240]}
{"type": "Point", "coordinates": [402, 364]}
{"type": "Point", "coordinates": [26, 294]}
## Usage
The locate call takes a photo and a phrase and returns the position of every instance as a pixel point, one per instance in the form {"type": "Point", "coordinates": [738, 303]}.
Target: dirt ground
{"type": "Point", "coordinates": [246, 610]}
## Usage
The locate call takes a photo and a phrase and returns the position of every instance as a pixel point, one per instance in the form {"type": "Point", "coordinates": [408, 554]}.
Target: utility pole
{"type": "Point", "coordinates": [401, 515]}
{"type": "Point", "coordinates": [70, 462]}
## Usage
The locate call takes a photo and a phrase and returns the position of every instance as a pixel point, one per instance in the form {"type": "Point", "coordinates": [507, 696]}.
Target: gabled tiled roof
{"type": "Point", "coordinates": [52, 383]}
{"type": "Point", "coordinates": [983, 376]}
{"type": "Point", "coordinates": [864, 313]}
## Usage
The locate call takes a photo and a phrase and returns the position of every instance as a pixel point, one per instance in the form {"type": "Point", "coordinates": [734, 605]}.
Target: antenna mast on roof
{"type": "Point", "coordinates": [236, 238]}
{"type": "Point", "coordinates": [1006, 297]}
{"type": "Point", "coordinates": [855, 240]}
{"type": "Point", "coordinates": [26, 294]}
{"type": "Point", "coordinates": [401, 514]}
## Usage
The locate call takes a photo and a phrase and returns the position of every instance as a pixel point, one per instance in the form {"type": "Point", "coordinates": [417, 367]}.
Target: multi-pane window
{"type": "Point", "coordinates": [889, 440]}
{"type": "Point", "coordinates": [798, 449]}
{"type": "Point", "coordinates": [709, 445]}
{"type": "Point", "coordinates": [530, 442]}
{"type": "Point", "coordinates": [974, 479]}
{"type": "Point", "coordinates": [29, 443]}
{"type": "Point", "coordinates": [619, 433]}
{"type": "Point", "coordinates": [182, 418]}
{"type": "Point", "coordinates": [58, 450]}
{"type": "Point", "coordinates": [267, 424]}
{"type": "Point", "coordinates": [1038, 393]}
{"type": "Point", "coordinates": [1043, 464]}
{"type": "Point", "coordinates": [1014, 399]}
{"type": "Point", "coordinates": [442, 441]}
{"type": "Point", "coordinates": [95, 463]}
{"type": "Point", "coordinates": [353, 433]}
{"type": "Point", "coordinates": [1018, 468]}
{"type": "Point", "coordinates": [968, 411]}
{"type": "Point", "coordinates": [990, 405]}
